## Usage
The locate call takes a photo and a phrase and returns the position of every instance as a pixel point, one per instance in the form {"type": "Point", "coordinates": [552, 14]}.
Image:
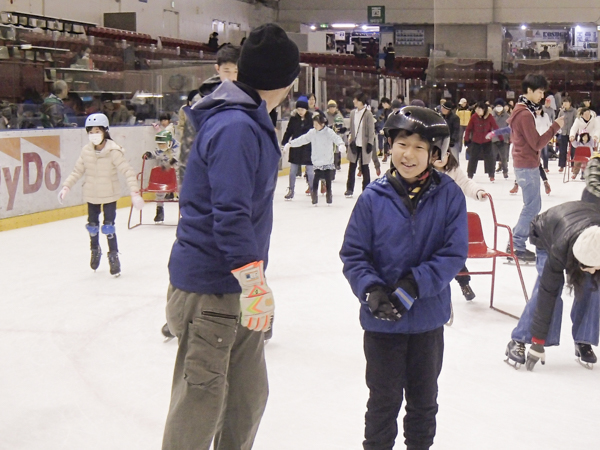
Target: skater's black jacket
{"type": "Point", "coordinates": [555, 231]}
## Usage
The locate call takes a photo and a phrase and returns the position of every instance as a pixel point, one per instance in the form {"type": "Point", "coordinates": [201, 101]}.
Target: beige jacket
{"type": "Point", "coordinates": [368, 136]}
{"type": "Point", "coordinates": [101, 184]}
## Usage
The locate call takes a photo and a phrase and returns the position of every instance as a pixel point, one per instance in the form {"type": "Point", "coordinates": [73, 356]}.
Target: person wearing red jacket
{"type": "Point", "coordinates": [527, 145]}
{"type": "Point", "coordinates": [480, 125]}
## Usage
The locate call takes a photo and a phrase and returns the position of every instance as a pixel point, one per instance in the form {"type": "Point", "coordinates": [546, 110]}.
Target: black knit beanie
{"type": "Point", "coordinates": [269, 59]}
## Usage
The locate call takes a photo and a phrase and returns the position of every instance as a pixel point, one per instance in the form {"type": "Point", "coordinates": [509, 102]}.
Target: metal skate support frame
{"type": "Point", "coordinates": [479, 249]}
{"type": "Point", "coordinates": [160, 181]}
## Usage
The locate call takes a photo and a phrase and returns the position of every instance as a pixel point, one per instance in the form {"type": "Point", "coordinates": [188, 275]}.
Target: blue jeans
{"type": "Point", "coordinates": [310, 173]}
{"type": "Point", "coordinates": [585, 313]}
{"type": "Point", "coordinates": [529, 182]}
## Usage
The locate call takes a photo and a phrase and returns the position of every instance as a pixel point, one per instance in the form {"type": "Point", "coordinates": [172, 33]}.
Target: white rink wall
{"type": "Point", "coordinates": [35, 163]}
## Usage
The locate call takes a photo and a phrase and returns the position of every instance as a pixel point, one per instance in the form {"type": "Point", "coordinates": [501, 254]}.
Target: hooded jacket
{"type": "Point", "coordinates": [555, 231]}
{"type": "Point", "coordinates": [527, 142]}
{"type": "Point", "coordinates": [385, 241]}
{"type": "Point", "coordinates": [479, 127]}
{"type": "Point", "coordinates": [226, 200]}
{"type": "Point", "coordinates": [101, 171]}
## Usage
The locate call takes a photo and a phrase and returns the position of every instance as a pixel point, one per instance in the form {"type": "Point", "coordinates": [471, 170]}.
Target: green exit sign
{"type": "Point", "coordinates": [376, 14]}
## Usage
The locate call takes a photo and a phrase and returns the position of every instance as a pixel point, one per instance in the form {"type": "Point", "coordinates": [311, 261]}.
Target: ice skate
{"type": "Point", "coordinates": [515, 189]}
{"type": "Point", "coordinates": [115, 265]}
{"type": "Point", "coordinates": [547, 187]}
{"type": "Point", "coordinates": [308, 192]}
{"type": "Point", "coordinates": [160, 215]}
{"type": "Point", "coordinates": [525, 257]}
{"type": "Point", "coordinates": [348, 194]}
{"type": "Point", "coordinates": [467, 292]}
{"type": "Point", "coordinates": [585, 355]}
{"type": "Point", "coordinates": [96, 255]}
{"type": "Point", "coordinates": [166, 332]}
{"type": "Point", "coordinates": [290, 195]}
{"type": "Point", "coordinates": [515, 354]}
{"type": "Point", "coordinates": [323, 187]}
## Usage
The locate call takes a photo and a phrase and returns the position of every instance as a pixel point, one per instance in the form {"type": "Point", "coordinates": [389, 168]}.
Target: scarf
{"type": "Point", "coordinates": [416, 189]}
{"type": "Point", "coordinates": [532, 107]}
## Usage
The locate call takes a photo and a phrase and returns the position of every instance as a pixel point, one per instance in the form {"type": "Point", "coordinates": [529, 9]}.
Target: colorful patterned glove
{"type": "Point", "coordinates": [536, 353]}
{"type": "Point", "coordinates": [256, 300]}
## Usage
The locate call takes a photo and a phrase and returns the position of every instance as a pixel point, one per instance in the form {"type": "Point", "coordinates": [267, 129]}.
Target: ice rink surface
{"type": "Point", "coordinates": [84, 366]}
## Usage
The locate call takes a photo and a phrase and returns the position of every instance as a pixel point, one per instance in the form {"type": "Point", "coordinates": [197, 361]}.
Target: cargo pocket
{"type": "Point", "coordinates": [209, 342]}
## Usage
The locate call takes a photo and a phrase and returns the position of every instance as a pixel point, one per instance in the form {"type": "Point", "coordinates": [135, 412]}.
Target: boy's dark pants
{"type": "Point", "coordinates": [326, 175]}
{"type": "Point", "coordinates": [484, 150]}
{"type": "Point", "coordinates": [400, 364]}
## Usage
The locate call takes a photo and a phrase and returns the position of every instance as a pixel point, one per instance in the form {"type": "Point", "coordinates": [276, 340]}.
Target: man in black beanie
{"type": "Point", "coordinates": [219, 304]}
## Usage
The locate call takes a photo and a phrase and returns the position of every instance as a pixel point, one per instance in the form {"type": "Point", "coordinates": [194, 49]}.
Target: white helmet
{"type": "Point", "coordinates": [96, 120]}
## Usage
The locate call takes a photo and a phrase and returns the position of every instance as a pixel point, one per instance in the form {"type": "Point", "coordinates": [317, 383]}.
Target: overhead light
{"type": "Point", "coordinates": [523, 27]}
{"type": "Point", "coordinates": [370, 28]}
{"type": "Point", "coordinates": [577, 28]}
{"type": "Point", "coordinates": [364, 27]}
{"type": "Point", "coordinates": [313, 27]}
{"type": "Point", "coordinates": [343, 25]}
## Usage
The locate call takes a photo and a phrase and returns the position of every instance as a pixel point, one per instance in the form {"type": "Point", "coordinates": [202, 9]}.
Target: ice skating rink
{"type": "Point", "coordinates": [84, 366]}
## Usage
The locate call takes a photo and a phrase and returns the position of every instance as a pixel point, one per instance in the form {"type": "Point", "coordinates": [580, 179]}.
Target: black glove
{"type": "Point", "coordinates": [369, 148]}
{"type": "Point", "coordinates": [536, 352]}
{"type": "Point", "coordinates": [172, 161]}
{"type": "Point", "coordinates": [147, 155]}
{"type": "Point", "coordinates": [385, 305]}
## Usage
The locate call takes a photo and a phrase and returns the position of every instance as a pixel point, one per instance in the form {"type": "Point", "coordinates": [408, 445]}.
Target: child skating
{"type": "Point", "coordinates": [166, 155]}
{"type": "Point", "coordinates": [100, 162]}
{"type": "Point", "coordinates": [322, 140]}
{"type": "Point", "coordinates": [399, 259]}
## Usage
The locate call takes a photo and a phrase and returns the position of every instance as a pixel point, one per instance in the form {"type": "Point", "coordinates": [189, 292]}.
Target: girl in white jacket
{"type": "Point", "coordinates": [100, 161]}
{"type": "Point", "coordinates": [449, 166]}
{"type": "Point", "coordinates": [322, 140]}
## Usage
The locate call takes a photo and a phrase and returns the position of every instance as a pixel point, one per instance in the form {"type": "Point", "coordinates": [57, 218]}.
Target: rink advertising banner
{"type": "Point", "coordinates": [34, 164]}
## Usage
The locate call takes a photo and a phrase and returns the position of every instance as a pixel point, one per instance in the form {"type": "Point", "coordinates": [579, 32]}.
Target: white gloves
{"type": "Point", "coordinates": [481, 195]}
{"type": "Point", "coordinates": [137, 200]}
{"type": "Point", "coordinates": [62, 194]}
{"type": "Point", "coordinates": [256, 300]}
{"type": "Point", "coordinates": [286, 147]}
{"type": "Point", "coordinates": [342, 148]}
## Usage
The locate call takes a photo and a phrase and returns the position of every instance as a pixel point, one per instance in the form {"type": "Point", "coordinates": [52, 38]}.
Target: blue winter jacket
{"type": "Point", "coordinates": [226, 199]}
{"type": "Point", "coordinates": [384, 243]}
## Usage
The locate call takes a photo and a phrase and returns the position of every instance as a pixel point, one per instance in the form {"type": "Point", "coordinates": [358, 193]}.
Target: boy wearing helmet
{"type": "Point", "coordinates": [401, 274]}
{"type": "Point", "coordinates": [166, 154]}
{"type": "Point", "coordinates": [100, 161]}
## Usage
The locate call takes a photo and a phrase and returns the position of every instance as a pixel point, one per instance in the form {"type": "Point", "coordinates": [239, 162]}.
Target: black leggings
{"type": "Point", "coordinates": [110, 214]}
{"type": "Point", "coordinates": [326, 175]}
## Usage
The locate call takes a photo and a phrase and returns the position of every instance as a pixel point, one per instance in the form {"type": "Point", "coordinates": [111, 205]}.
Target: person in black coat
{"type": "Point", "coordinates": [567, 238]}
{"type": "Point", "coordinates": [300, 123]}
{"type": "Point", "coordinates": [454, 124]}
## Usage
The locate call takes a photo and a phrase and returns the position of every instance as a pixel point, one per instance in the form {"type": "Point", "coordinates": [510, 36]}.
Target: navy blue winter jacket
{"type": "Point", "coordinates": [384, 243]}
{"type": "Point", "coordinates": [227, 195]}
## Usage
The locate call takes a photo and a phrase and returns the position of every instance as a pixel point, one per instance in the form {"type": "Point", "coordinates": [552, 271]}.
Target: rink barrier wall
{"type": "Point", "coordinates": [35, 163]}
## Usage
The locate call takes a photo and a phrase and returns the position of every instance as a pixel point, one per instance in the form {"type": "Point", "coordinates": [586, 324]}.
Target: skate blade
{"type": "Point", "coordinates": [510, 262]}
{"type": "Point", "coordinates": [515, 365]}
{"type": "Point", "coordinates": [589, 366]}
{"type": "Point", "coordinates": [167, 339]}
{"type": "Point", "coordinates": [116, 275]}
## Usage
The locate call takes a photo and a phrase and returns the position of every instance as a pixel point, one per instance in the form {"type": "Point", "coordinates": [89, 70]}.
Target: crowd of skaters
{"type": "Point", "coordinates": [219, 304]}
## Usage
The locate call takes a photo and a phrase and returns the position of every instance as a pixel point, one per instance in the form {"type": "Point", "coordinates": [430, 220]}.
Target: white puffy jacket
{"type": "Point", "coordinates": [467, 185]}
{"type": "Point", "coordinates": [101, 184]}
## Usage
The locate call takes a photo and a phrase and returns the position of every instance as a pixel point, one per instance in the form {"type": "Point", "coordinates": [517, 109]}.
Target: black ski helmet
{"type": "Point", "coordinates": [425, 122]}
